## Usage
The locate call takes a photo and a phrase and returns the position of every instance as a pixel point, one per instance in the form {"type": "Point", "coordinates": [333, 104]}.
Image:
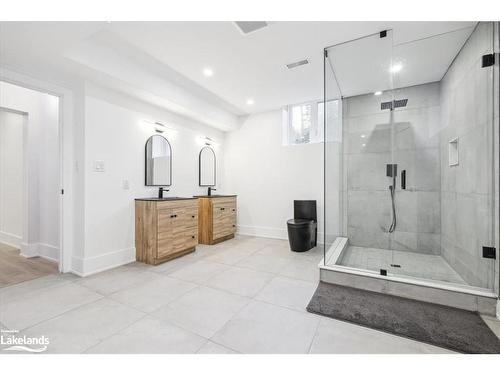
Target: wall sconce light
{"type": "Point", "coordinates": [205, 141]}
{"type": "Point", "coordinates": [159, 128]}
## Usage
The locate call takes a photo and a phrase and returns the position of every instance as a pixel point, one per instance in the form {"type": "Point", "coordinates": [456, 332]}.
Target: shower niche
{"type": "Point", "coordinates": [400, 207]}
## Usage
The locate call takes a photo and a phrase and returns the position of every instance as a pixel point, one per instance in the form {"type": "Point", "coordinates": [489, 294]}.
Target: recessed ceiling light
{"type": "Point", "coordinates": [207, 72]}
{"type": "Point", "coordinates": [377, 93]}
{"type": "Point", "coordinates": [396, 67]}
{"type": "Point", "coordinates": [250, 101]}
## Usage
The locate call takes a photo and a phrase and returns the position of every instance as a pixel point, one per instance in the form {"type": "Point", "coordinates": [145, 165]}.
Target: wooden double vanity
{"type": "Point", "coordinates": [166, 228]}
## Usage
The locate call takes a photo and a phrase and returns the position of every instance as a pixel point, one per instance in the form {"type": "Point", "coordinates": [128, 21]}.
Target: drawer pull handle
{"type": "Point", "coordinates": [234, 210]}
{"type": "Point", "coordinates": [192, 236]}
{"type": "Point", "coordinates": [171, 216]}
{"type": "Point", "coordinates": [234, 225]}
{"type": "Point", "coordinates": [192, 216]}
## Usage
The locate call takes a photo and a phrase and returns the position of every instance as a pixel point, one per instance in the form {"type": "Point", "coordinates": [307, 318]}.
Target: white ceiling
{"type": "Point", "coordinates": [173, 55]}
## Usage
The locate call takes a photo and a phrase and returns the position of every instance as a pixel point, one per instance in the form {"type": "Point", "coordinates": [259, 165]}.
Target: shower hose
{"type": "Point", "coordinates": [392, 228]}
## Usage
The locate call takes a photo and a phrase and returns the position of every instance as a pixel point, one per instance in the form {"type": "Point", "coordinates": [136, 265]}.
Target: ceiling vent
{"type": "Point", "coordinates": [247, 27]}
{"type": "Point", "coordinates": [296, 64]}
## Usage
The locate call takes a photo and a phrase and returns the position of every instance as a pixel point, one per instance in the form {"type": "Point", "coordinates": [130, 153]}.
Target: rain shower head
{"type": "Point", "coordinates": [400, 103]}
{"type": "Point", "coordinates": [394, 104]}
{"type": "Point", "coordinates": [385, 105]}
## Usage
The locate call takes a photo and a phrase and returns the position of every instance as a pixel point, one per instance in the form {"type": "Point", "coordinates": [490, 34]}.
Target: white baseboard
{"type": "Point", "coordinates": [91, 265]}
{"type": "Point", "coordinates": [268, 232]}
{"type": "Point", "coordinates": [10, 239]}
{"type": "Point", "coordinates": [42, 250]}
{"type": "Point", "coordinates": [29, 250]}
{"type": "Point", "coordinates": [48, 252]}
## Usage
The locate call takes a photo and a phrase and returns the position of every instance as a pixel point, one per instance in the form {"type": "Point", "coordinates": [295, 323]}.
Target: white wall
{"type": "Point", "coordinates": [11, 177]}
{"type": "Point", "coordinates": [42, 142]}
{"type": "Point", "coordinates": [116, 133]}
{"type": "Point", "coordinates": [268, 176]}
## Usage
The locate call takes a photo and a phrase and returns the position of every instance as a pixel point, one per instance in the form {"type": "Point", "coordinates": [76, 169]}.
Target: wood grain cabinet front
{"type": "Point", "coordinates": [216, 219]}
{"type": "Point", "coordinates": [165, 229]}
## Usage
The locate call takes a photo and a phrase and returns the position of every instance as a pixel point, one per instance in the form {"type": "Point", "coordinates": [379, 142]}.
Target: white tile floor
{"type": "Point", "coordinates": [246, 295]}
{"type": "Point", "coordinates": [426, 266]}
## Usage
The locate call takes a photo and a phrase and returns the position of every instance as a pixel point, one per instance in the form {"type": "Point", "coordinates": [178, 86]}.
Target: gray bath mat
{"type": "Point", "coordinates": [447, 327]}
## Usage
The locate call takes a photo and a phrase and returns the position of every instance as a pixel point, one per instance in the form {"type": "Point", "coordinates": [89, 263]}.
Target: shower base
{"type": "Point", "coordinates": [426, 266]}
{"type": "Point", "coordinates": [423, 277]}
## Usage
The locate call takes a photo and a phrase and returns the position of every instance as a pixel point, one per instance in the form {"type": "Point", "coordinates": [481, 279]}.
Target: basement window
{"type": "Point", "coordinates": [303, 123]}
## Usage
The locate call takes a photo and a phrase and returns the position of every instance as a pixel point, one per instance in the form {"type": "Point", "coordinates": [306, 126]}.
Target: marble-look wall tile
{"type": "Point", "coordinates": [369, 210]}
{"type": "Point", "coordinates": [467, 188]}
{"type": "Point", "coordinates": [368, 171]}
{"type": "Point", "coordinates": [365, 238]}
{"type": "Point", "coordinates": [408, 137]}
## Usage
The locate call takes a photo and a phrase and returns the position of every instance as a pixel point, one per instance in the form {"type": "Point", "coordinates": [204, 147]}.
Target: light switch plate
{"type": "Point", "coordinates": [126, 185]}
{"type": "Point", "coordinates": [98, 165]}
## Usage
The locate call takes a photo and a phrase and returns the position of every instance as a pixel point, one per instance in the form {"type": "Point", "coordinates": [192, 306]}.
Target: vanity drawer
{"type": "Point", "coordinates": [186, 217]}
{"type": "Point", "coordinates": [224, 208]}
{"type": "Point", "coordinates": [224, 202]}
{"type": "Point", "coordinates": [185, 239]}
{"type": "Point", "coordinates": [224, 226]}
{"type": "Point", "coordinates": [164, 247]}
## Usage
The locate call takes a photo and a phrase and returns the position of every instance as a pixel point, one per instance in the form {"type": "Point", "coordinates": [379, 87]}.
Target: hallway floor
{"type": "Point", "coordinates": [14, 268]}
{"type": "Point", "coordinates": [246, 295]}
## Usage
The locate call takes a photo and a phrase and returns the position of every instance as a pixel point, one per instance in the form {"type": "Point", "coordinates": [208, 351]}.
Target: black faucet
{"type": "Point", "coordinates": [160, 192]}
{"type": "Point", "coordinates": [210, 189]}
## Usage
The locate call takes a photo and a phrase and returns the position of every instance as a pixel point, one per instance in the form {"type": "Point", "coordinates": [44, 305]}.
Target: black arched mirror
{"type": "Point", "coordinates": [207, 166]}
{"type": "Point", "coordinates": [158, 161]}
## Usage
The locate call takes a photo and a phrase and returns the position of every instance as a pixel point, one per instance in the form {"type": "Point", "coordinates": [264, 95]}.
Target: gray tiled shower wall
{"type": "Point", "coordinates": [467, 195]}
{"type": "Point", "coordinates": [445, 210]}
{"type": "Point", "coordinates": [412, 142]}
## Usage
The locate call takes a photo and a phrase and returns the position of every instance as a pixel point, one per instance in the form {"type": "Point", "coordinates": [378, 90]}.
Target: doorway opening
{"type": "Point", "coordinates": [30, 204]}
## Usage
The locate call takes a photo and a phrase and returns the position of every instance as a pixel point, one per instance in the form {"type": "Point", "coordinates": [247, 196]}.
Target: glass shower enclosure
{"type": "Point", "coordinates": [410, 154]}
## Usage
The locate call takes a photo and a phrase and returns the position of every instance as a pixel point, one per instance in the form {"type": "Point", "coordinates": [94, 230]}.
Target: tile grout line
{"type": "Point", "coordinates": [314, 336]}
{"type": "Point", "coordinates": [216, 343]}
{"type": "Point", "coordinates": [101, 297]}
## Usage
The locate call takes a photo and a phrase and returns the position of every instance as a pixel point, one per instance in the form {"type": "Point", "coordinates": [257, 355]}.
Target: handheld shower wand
{"type": "Point", "coordinates": [392, 171]}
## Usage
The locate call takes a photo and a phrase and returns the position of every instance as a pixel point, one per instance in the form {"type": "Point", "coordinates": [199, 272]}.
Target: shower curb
{"type": "Point", "coordinates": [480, 301]}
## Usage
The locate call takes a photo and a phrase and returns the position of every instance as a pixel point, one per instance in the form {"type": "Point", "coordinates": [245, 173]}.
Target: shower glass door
{"type": "Point", "coordinates": [409, 166]}
{"type": "Point", "coordinates": [357, 187]}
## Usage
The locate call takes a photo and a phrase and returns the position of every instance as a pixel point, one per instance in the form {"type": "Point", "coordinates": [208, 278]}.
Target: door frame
{"type": "Point", "coordinates": [66, 158]}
